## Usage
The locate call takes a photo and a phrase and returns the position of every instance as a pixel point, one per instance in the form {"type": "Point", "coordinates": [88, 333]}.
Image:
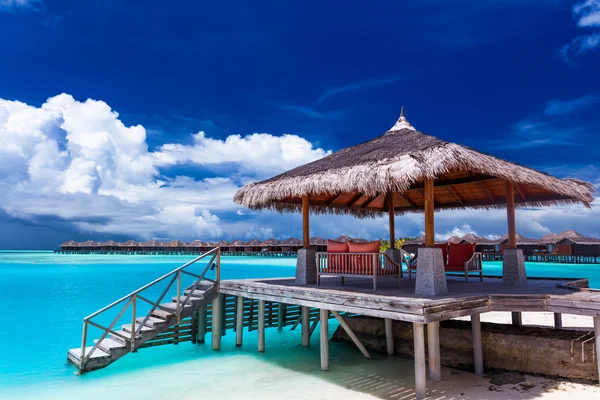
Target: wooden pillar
{"type": "Point", "coordinates": [433, 350]}
{"type": "Point", "coordinates": [280, 316]}
{"type": "Point", "coordinates": [261, 325]}
{"type": "Point", "coordinates": [216, 323]}
{"type": "Point", "coordinates": [324, 342]}
{"type": "Point", "coordinates": [420, 374]}
{"type": "Point", "coordinates": [390, 206]}
{"type": "Point", "coordinates": [510, 216]}
{"type": "Point", "coordinates": [201, 321]}
{"type": "Point", "coordinates": [477, 344]}
{"type": "Point", "coordinates": [305, 226]}
{"type": "Point", "coordinates": [389, 336]}
{"type": "Point", "coordinates": [558, 321]}
{"type": "Point", "coordinates": [517, 318]}
{"type": "Point", "coordinates": [429, 228]}
{"type": "Point", "coordinates": [305, 326]}
{"type": "Point", "coordinates": [239, 321]}
{"type": "Point", "coordinates": [597, 334]}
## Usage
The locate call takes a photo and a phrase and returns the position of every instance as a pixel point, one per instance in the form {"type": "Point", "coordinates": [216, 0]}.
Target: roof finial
{"type": "Point", "coordinates": [402, 112]}
{"type": "Point", "coordinates": [401, 124]}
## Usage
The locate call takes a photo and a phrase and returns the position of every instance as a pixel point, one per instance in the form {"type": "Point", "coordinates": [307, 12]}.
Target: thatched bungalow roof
{"type": "Point", "coordinates": [343, 238]}
{"type": "Point", "coordinates": [453, 239]}
{"type": "Point", "coordinates": [198, 243]}
{"type": "Point", "coordinates": [89, 243]}
{"type": "Point", "coordinates": [175, 243]}
{"type": "Point", "coordinates": [69, 243]}
{"type": "Point", "coordinates": [291, 242]}
{"type": "Point", "coordinates": [270, 242]}
{"type": "Point", "coordinates": [108, 243]}
{"type": "Point", "coordinates": [550, 238]}
{"type": "Point", "coordinates": [129, 243]}
{"type": "Point", "coordinates": [152, 243]}
{"type": "Point", "coordinates": [470, 238]}
{"type": "Point", "coordinates": [237, 243]}
{"type": "Point", "coordinates": [358, 179]}
{"type": "Point", "coordinates": [221, 243]}
{"type": "Point", "coordinates": [252, 243]}
{"type": "Point", "coordinates": [317, 241]}
{"type": "Point", "coordinates": [521, 240]}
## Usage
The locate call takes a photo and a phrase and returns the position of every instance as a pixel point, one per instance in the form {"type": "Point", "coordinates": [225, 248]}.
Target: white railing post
{"type": "Point", "coordinates": [83, 342]}
{"type": "Point", "coordinates": [133, 312]}
{"type": "Point", "coordinates": [178, 296]}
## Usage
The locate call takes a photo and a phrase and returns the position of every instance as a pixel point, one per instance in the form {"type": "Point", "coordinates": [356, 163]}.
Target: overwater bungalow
{"type": "Point", "coordinates": [224, 245]}
{"type": "Point", "coordinates": [69, 245]}
{"type": "Point", "coordinates": [580, 245]}
{"type": "Point", "coordinates": [89, 245]}
{"type": "Point", "coordinates": [198, 246]}
{"type": "Point", "coordinates": [290, 245]}
{"type": "Point", "coordinates": [271, 245]}
{"type": "Point", "coordinates": [318, 244]}
{"type": "Point", "coordinates": [253, 245]}
{"type": "Point", "coordinates": [470, 238]}
{"type": "Point", "coordinates": [108, 246]}
{"type": "Point", "coordinates": [151, 246]}
{"type": "Point", "coordinates": [129, 246]}
{"type": "Point", "coordinates": [406, 171]}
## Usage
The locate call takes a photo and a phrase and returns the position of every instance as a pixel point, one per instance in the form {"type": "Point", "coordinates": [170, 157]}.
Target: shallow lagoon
{"type": "Point", "coordinates": [45, 296]}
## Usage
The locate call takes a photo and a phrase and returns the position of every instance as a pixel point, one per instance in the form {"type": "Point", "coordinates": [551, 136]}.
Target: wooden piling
{"type": "Point", "coordinates": [305, 326]}
{"type": "Point", "coordinates": [477, 344]}
{"type": "Point", "coordinates": [597, 335]}
{"type": "Point", "coordinates": [517, 318]}
{"type": "Point", "coordinates": [201, 330]}
{"type": "Point", "coordinates": [433, 351]}
{"type": "Point", "coordinates": [261, 325]}
{"type": "Point", "coordinates": [280, 316]}
{"type": "Point", "coordinates": [389, 336]}
{"type": "Point", "coordinates": [420, 374]}
{"type": "Point", "coordinates": [351, 334]}
{"type": "Point", "coordinates": [216, 323]}
{"type": "Point", "coordinates": [239, 321]}
{"type": "Point", "coordinates": [324, 339]}
{"type": "Point", "coordinates": [558, 321]}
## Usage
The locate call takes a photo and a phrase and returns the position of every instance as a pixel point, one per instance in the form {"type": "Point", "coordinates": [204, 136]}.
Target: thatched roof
{"type": "Point", "coordinates": [175, 243]}
{"type": "Point", "coordinates": [470, 238]}
{"type": "Point", "coordinates": [252, 243]}
{"type": "Point", "coordinates": [221, 243]}
{"type": "Point", "coordinates": [453, 239]}
{"type": "Point", "coordinates": [237, 243]}
{"type": "Point", "coordinates": [198, 243]}
{"type": "Point", "coordinates": [291, 242]}
{"type": "Point", "coordinates": [129, 243]}
{"type": "Point", "coordinates": [152, 243]}
{"type": "Point", "coordinates": [317, 241]}
{"type": "Point", "coordinates": [69, 243]}
{"type": "Point", "coordinates": [270, 242]}
{"type": "Point", "coordinates": [89, 243]}
{"type": "Point", "coordinates": [358, 179]}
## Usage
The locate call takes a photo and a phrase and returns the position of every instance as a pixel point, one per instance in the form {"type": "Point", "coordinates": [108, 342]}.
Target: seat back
{"type": "Point", "coordinates": [444, 247]}
{"type": "Point", "coordinates": [458, 254]}
{"type": "Point", "coordinates": [365, 262]}
{"type": "Point", "coordinates": [337, 263]}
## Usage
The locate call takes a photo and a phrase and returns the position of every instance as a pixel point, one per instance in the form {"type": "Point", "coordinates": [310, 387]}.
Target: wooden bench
{"type": "Point", "coordinates": [366, 265]}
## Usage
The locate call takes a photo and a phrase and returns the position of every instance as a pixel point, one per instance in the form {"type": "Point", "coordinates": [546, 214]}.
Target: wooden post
{"type": "Point", "coordinates": [280, 316]}
{"type": "Point", "coordinates": [324, 336]}
{"type": "Point", "coordinates": [390, 206]}
{"type": "Point", "coordinates": [433, 350]}
{"type": "Point", "coordinates": [194, 332]}
{"type": "Point", "coordinates": [351, 334]}
{"type": "Point", "coordinates": [477, 344]}
{"type": "Point", "coordinates": [429, 228]}
{"type": "Point", "coordinates": [510, 216]}
{"type": "Point", "coordinates": [239, 321]}
{"type": "Point", "coordinates": [420, 374]}
{"type": "Point", "coordinates": [305, 226]}
{"type": "Point", "coordinates": [261, 325]}
{"type": "Point", "coordinates": [216, 323]}
{"type": "Point", "coordinates": [305, 326]}
{"type": "Point", "coordinates": [558, 321]}
{"type": "Point", "coordinates": [517, 319]}
{"type": "Point", "coordinates": [201, 331]}
{"type": "Point", "coordinates": [597, 334]}
{"type": "Point", "coordinates": [389, 336]}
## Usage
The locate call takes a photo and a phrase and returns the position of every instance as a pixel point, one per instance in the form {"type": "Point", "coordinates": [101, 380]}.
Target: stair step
{"type": "Point", "coordinates": [173, 306]}
{"type": "Point", "coordinates": [107, 345]}
{"type": "Point", "coordinates": [145, 329]}
{"type": "Point", "coordinates": [196, 293]}
{"type": "Point", "coordinates": [202, 285]}
{"type": "Point", "coordinates": [121, 340]}
{"type": "Point", "coordinates": [162, 314]}
{"type": "Point", "coordinates": [191, 300]}
{"type": "Point", "coordinates": [152, 322]}
{"type": "Point", "coordinates": [97, 354]}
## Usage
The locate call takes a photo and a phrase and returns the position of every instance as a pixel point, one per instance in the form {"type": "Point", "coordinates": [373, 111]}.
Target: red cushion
{"type": "Point", "coordinates": [444, 247]}
{"type": "Point", "coordinates": [337, 247]}
{"type": "Point", "coordinates": [459, 253]}
{"type": "Point", "coordinates": [371, 247]}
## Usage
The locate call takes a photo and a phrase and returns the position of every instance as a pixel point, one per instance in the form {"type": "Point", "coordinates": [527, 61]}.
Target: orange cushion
{"type": "Point", "coordinates": [337, 247]}
{"type": "Point", "coordinates": [459, 253]}
{"type": "Point", "coordinates": [371, 247]}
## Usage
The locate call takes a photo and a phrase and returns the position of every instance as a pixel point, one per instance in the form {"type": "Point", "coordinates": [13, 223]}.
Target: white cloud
{"type": "Point", "coordinates": [587, 13]}
{"type": "Point", "coordinates": [77, 161]}
{"type": "Point", "coordinates": [464, 229]}
{"type": "Point", "coordinates": [9, 5]}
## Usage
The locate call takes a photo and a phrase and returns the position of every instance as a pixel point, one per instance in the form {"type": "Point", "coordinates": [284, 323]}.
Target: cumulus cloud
{"type": "Point", "coordinates": [12, 5]}
{"type": "Point", "coordinates": [464, 229]}
{"type": "Point", "coordinates": [77, 161]}
{"type": "Point", "coordinates": [588, 13]}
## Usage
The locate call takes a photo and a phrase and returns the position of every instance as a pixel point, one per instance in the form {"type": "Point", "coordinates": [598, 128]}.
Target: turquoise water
{"type": "Point", "coordinates": [43, 298]}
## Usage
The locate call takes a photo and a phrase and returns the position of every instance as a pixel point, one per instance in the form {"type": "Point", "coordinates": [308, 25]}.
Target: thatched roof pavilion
{"type": "Point", "coordinates": [405, 170]}
{"type": "Point", "coordinates": [470, 238]}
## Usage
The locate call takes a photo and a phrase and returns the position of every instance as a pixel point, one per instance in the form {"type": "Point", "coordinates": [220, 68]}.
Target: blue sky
{"type": "Point", "coordinates": [517, 79]}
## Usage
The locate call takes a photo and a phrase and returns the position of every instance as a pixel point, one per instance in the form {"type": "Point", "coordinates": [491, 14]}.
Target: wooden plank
{"type": "Point", "coordinates": [597, 342]}
{"type": "Point", "coordinates": [389, 336]}
{"type": "Point", "coordinates": [454, 194]}
{"type": "Point", "coordinates": [324, 339]}
{"type": "Point", "coordinates": [517, 318]}
{"type": "Point", "coordinates": [239, 321]}
{"type": "Point", "coordinates": [201, 335]}
{"type": "Point", "coordinates": [558, 321]}
{"type": "Point", "coordinates": [216, 323]}
{"type": "Point", "coordinates": [477, 344]}
{"type": "Point", "coordinates": [419, 349]}
{"type": "Point", "coordinates": [354, 200]}
{"type": "Point", "coordinates": [351, 334]}
{"type": "Point", "coordinates": [305, 326]}
{"type": "Point", "coordinates": [261, 326]}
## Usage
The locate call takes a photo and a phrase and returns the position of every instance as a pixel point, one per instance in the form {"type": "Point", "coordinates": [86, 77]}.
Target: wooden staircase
{"type": "Point", "coordinates": [114, 344]}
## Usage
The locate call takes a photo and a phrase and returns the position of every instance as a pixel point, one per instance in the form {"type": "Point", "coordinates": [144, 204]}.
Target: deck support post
{"type": "Point", "coordinates": [261, 326]}
{"type": "Point", "coordinates": [558, 321]}
{"type": "Point", "coordinates": [431, 276]}
{"type": "Point", "coordinates": [351, 334]}
{"type": "Point", "coordinates": [389, 336]}
{"type": "Point", "coordinates": [420, 374]}
{"type": "Point", "coordinates": [513, 262]}
{"type": "Point", "coordinates": [216, 322]}
{"type": "Point", "coordinates": [517, 318]}
{"type": "Point", "coordinates": [201, 321]}
{"type": "Point", "coordinates": [390, 206]}
{"type": "Point", "coordinates": [597, 335]}
{"type": "Point", "coordinates": [280, 316]}
{"type": "Point", "coordinates": [305, 326]}
{"type": "Point", "coordinates": [433, 351]}
{"type": "Point", "coordinates": [324, 339]}
{"type": "Point", "coordinates": [306, 262]}
{"type": "Point", "coordinates": [239, 321]}
{"type": "Point", "coordinates": [477, 344]}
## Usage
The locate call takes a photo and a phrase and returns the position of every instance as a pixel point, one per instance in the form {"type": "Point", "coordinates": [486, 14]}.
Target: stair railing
{"type": "Point", "coordinates": [133, 297]}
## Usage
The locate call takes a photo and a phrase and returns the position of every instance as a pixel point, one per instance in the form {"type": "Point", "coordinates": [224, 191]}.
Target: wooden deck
{"type": "Point", "coordinates": [396, 300]}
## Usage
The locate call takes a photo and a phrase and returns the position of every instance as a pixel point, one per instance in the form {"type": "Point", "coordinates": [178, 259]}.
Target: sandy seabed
{"type": "Point", "coordinates": [288, 371]}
